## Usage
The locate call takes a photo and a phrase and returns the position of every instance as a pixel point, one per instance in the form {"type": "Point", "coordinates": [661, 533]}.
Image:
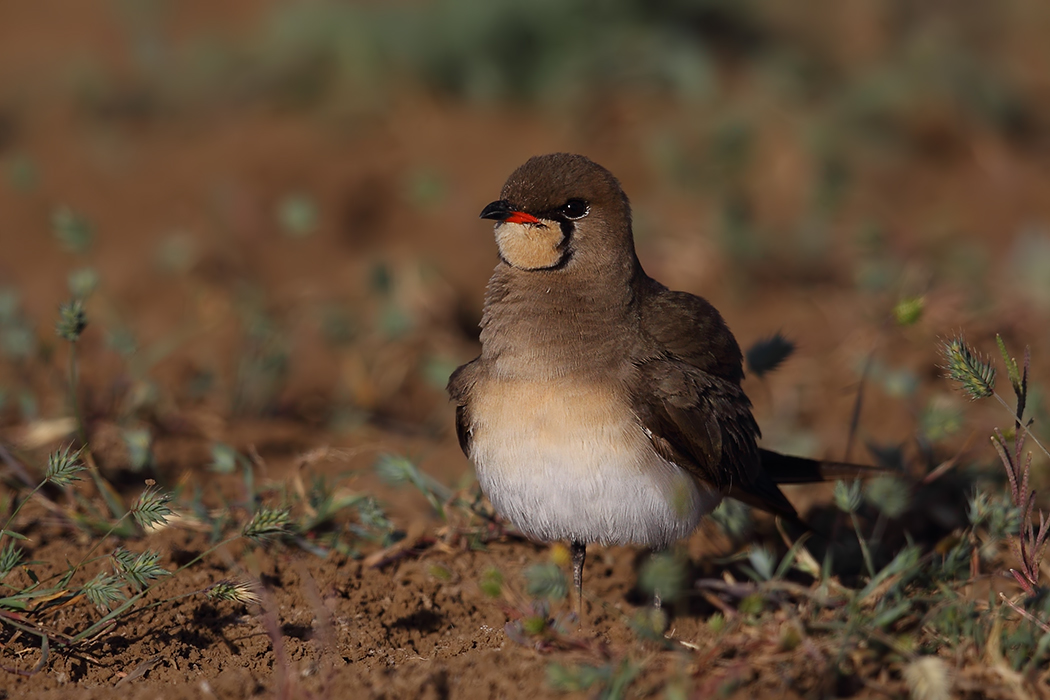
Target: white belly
{"type": "Point", "coordinates": [571, 462]}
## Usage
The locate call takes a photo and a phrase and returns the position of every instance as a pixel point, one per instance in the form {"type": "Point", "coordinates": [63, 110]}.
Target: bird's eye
{"type": "Point", "coordinates": [575, 209]}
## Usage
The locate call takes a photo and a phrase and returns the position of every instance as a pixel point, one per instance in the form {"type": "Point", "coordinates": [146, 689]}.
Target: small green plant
{"type": "Point", "coordinates": [225, 459]}
{"type": "Point", "coordinates": [546, 582]}
{"type": "Point", "coordinates": [73, 231]}
{"type": "Point", "coordinates": [848, 500]}
{"type": "Point", "coordinates": [976, 377]}
{"type": "Point", "coordinates": [130, 572]}
{"type": "Point", "coordinates": [138, 570]}
{"type": "Point", "coordinates": [240, 591]}
{"type": "Point", "coordinates": [398, 470]}
{"type": "Point", "coordinates": [663, 577]}
{"type": "Point", "coordinates": [71, 324]}
{"type": "Point", "coordinates": [138, 442]}
{"type": "Point", "coordinates": [465, 516]}
{"type": "Point", "coordinates": [297, 215]}
{"type": "Point", "coordinates": [117, 583]}
{"type": "Point", "coordinates": [611, 679]}
{"type": "Point", "coordinates": [267, 524]}
{"type": "Point", "coordinates": [491, 583]}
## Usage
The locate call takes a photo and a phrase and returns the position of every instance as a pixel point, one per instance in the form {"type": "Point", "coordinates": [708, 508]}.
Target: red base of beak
{"type": "Point", "coordinates": [520, 217]}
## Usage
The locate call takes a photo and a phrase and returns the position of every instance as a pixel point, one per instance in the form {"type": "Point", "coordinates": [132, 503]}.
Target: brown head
{"type": "Point", "coordinates": [560, 211]}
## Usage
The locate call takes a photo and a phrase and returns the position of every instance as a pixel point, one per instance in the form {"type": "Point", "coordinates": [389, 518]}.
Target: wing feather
{"type": "Point", "coordinates": [460, 384]}
{"type": "Point", "coordinates": [689, 399]}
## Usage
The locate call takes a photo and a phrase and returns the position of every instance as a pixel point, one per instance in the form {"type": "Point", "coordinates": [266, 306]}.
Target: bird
{"type": "Point", "coordinates": [604, 407]}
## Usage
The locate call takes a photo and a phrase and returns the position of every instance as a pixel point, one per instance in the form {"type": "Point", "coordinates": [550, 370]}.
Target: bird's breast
{"type": "Point", "coordinates": [564, 459]}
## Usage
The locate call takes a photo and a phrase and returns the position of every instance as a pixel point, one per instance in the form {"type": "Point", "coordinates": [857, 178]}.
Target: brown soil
{"type": "Point", "coordinates": [416, 624]}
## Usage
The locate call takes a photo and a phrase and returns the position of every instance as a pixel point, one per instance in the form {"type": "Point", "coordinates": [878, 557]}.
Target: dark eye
{"type": "Point", "coordinates": [575, 209]}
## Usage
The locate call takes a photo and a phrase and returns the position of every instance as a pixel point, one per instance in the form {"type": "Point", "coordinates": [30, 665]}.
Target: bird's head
{"type": "Point", "coordinates": [560, 210]}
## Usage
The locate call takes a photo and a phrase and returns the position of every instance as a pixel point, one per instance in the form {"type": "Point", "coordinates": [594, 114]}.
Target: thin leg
{"type": "Point", "coordinates": [579, 554]}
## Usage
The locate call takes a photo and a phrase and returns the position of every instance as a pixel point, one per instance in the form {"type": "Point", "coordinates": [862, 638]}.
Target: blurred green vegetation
{"type": "Point", "coordinates": [872, 65]}
{"type": "Point", "coordinates": [851, 85]}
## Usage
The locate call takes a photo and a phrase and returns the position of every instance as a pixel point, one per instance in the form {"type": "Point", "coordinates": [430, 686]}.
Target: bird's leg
{"type": "Point", "coordinates": [579, 554]}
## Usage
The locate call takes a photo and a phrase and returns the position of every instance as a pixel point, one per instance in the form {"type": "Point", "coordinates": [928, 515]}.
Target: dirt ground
{"type": "Point", "coordinates": [189, 246]}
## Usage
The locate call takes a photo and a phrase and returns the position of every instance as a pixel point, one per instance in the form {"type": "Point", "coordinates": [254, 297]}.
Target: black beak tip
{"type": "Point", "coordinates": [498, 210]}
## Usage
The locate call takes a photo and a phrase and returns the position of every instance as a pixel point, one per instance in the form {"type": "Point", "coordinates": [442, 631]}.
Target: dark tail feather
{"type": "Point", "coordinates": [768, 499]}
{"type": "Point", "coordinates": [785, 469]}
{"type": "Point", "coordinates": [764, 491]}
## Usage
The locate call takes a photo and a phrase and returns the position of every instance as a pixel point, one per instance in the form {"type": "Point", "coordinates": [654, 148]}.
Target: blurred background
{"type": "Point", "coordinates": [270, 207]}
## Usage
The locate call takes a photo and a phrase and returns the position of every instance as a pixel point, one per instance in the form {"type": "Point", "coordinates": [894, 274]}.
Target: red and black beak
{"type": "Point", "coordinates": [502, 210]}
